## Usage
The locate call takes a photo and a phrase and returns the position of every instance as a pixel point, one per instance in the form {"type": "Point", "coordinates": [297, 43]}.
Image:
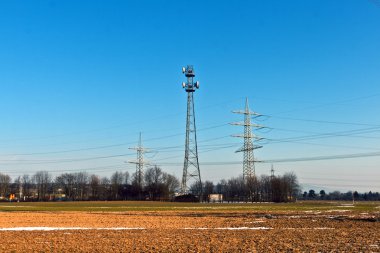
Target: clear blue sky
{"type": "Point", "coordinates": [79, 75]}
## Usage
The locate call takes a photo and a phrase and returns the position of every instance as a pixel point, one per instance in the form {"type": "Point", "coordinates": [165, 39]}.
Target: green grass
{"type": "Point", "coordinates": [122, 206]}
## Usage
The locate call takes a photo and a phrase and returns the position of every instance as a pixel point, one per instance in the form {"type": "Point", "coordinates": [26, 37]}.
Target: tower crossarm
{"type": "Point", "coordinates": [257, 126]}
{"type": "Point", "coordinates": [140, 149]}
{"type": "Point", "coordinates": [248, 149]}
{"type": "Point", "coordinates": [140, 162]}
{"type": "Point", "coordinates": [248, 113]}
{"type": "Point", "coordinates": [252, 136]}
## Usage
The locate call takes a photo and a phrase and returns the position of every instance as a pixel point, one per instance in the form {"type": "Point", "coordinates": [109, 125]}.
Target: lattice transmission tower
{"type": "Point", "coordinates": [272, 173]}
{"type": "Point", "coordinates": [140, 163]}
{"type": "Point", "coordinates": [248, 146]}
{"type": "Point", "coordinates": [191, 164]}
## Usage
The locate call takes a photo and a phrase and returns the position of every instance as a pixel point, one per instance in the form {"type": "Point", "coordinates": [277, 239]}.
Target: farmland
{"type": "Point", "coordinates": [189, 227]}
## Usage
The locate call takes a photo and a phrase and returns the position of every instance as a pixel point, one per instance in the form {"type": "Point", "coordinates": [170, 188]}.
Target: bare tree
{"type": "Point", "coordinates": [117, 180]}
{"type": "Point", "coordinates": [66, 183]}
{"type": "Point", "coordinates": [154, 182]}
{"type": "Point", "coordinates": [236, 189]}
{"type": "Point", "coordinates": [171, 184]}
{"type": "Point", "coordinates": [81, 182]}
{"type": "Point", "coordinates": [126, 178]}
{"type": "Point", "coordinates": [291, 186]}
{"type": "Point", "coordinates": [105, 189]}
{"type": "Point", "coordinates": [94, 187]}
{"type": "Point", "coordinates": [42, 180]}
{"type": "Point", "coordinates": [208, 189]}
{"type": "Point", "coordinates": [265, 188]}
{"type": "Point", "coordinates": [5, 181]}
{"type": "Point", "coordinates": [27, 186]}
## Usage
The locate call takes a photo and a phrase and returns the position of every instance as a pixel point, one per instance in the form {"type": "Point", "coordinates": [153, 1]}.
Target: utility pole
{"type": "Point", "coordinates": [271, 183]}
{"type": "Point", "coordinates": [191, 164]}
{"type": "Point", "coordinates": [271, 173]}
{"type": "Point", "coordinates": [248, 136]}
{"type": "Point", "coordinates": [140, 163]}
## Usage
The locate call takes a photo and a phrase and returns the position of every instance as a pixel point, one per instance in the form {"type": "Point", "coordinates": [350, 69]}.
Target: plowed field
{"type": "Point", "coordinates": [192, 228]}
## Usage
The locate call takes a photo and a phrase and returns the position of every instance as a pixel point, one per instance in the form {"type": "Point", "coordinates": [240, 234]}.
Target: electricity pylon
{"type": "Point", "coordinates": [140, 163]}
{"type": "Point", "coordinates": [272, 173]}
{"type": "Point", "coordinates": [191, 164]}
{"type": "Point", "coordinates": [248, 146]}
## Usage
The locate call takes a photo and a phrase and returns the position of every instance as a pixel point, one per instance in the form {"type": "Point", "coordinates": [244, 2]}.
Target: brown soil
{"type": "Point", "coordinates": [171, 231]}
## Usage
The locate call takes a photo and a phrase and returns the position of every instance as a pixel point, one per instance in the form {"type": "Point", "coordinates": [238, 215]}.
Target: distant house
{"type": "Point", "coordinates": [215, 198]}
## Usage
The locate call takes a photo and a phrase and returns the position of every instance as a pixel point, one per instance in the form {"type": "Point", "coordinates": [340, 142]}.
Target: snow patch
{"type": "Point", "coordinates": [256, 221]}
{"type": "Point", "coordinates": [101, 207]}
{"type": "Point", "coordinates": [345, 206]}
{"type": "Point", "coordinates": [17, 206]}
{"type": "Point", "coordinates": [231, 228]}
{"type": "Point", "coordinates": [338, 210]}
{"type": "Point", "coordinates": [64, 228]}
{"type": "Point", "coordinates": [321, 228]}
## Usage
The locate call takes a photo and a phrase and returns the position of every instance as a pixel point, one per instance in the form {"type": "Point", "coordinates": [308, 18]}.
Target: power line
{"type": "Point", "coordinates": [298, 159]}
{"type": "Point", "coordinates": [121, 125]}
{"type": "Point", "coordinates": [324, 121]}
{"type": "Point", "coordinates": [322, 145]}
{"type": "Point", "coordinates": [30, 162]}
{"type": "Point", "coordinates": [350, 133]}
{"type": "Point", "coordinates": [336, 179]}
{"type": "Point", "coordinates": [108, 146]}
{"type": "Point", "coordinates": [319, 158]}
{"type": "Point", "coordinates": [330, 103]}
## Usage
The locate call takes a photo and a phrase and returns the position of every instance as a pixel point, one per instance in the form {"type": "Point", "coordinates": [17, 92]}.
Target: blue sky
{"type": "Point", "coordinates": [76, 76]}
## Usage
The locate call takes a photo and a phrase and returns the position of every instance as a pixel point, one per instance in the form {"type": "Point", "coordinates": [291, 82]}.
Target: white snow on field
{"type": "Point", "coordinates": [139, 228]}
{"type": "Point", "coordinates": [102, 207]}
{"type": "Point", "coordinates": [294, 217]}
{"type": "Point", "coordinates": [119, 228]}
{"type": "Point", "coordinates": [231, 228]}
{"type": "Point", "coordinates": [321, 228]}
{"type": "Point", "coordinates": [17, 206]}
{"type": "Point", "coordinates": [63, 228]}
{"type": "Point", "coordinates": [256, 221]}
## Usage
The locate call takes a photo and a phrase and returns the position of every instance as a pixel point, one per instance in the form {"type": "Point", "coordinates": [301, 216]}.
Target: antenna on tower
{"type": "Point", "coordinates": [191, 164]}
{"type": "Point", "coordinates": [248, 146]}
{"type": "Point", "coordinates": [140, 163]}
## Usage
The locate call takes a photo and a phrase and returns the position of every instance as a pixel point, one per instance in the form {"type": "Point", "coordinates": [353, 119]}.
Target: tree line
{"type": "Point", "coordinates": [157, 185]}
{"type": "Point", "coordinates": [263, 188]}
{"type": "Point", "coordinates": [337, 195]}
{"type": "Point", "coordinates": [42, 186]}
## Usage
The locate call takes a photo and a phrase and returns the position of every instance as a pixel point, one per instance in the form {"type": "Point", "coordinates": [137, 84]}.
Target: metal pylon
{"type": "Point", "coordinates": [140, 162]}
{"type": "Point", "coordinates": [248, 146]}
{"type": "Point", "coordinates": [191, 164]}
{"type": "Point", "coordinates": [272, 173]}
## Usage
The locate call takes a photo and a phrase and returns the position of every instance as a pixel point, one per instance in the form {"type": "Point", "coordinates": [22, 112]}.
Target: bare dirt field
{"type": "Point", "coordinates": [211, 228]}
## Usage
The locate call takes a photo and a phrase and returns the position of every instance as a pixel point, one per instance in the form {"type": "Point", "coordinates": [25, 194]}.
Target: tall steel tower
{"type": "Point", "coordinates": [140, 162]}
{"type": "Point", "coordinates": [272, 173]}
{"type": "Point", "coordinates": [248, 147]}
{"type": "Point", "coordinates": [191, 163]}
